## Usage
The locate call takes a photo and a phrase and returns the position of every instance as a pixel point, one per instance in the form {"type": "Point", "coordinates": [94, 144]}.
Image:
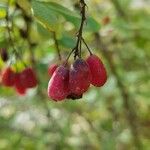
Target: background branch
{"type": "Point", "coordinates": [57, 45]}
{"type": "Point", "coordinates": [119, 10]}
{"type": "Point", "coordinates": [129, 112]}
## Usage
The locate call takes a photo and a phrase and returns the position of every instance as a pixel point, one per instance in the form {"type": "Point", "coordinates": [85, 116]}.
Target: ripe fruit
{"type": "Point", "coordinates": [21, 91]}
{"type": "Point", "coordinates": [98, 72]}
{"type": "Point", "coordinates": [51, 69]}
{"type": "Point", "coordinates": [0, 77]}
{"type": "Point", "coordinates": [8, 77]}
{"type": "Point", "coordinates": [79, 77]}
{"type": "Point", "coordinates": [20, 88]}
{"type": "Point", "coordinates": [28, 78]}
{"type": "Point", "coordinates": [58, 84]}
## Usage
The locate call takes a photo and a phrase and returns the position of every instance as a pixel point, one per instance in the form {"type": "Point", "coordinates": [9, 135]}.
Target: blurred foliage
{"type": "Point", "coordinates": [101, 120]}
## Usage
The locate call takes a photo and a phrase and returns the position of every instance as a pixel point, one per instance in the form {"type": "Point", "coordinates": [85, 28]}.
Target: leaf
{"type": "Point", "coordinates": [92, 25]}
{"type": "Point", "coordinates": [43, 32]}
{"type": "Point", "coordinates": [48, 12]}
{"type": "Point", "coordinates": [4, 43]}
{"type": "Point", "coordinates": [73, 17]}
{"type": "Point", "coordinates": [62, 10]}
{"type": "Point", "coordinates": [67, 41]}
{"type": "Point", "coordinates": [2, 11]}
{"type": "Point", "coordinates": [45, 15]}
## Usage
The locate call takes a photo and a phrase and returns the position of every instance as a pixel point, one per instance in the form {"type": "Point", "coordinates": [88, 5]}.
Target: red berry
{"type": "Point", "coordinates": [51, 69]}
{"type": "Point", "coordinates": [98, 71]}
{"type": "Point", "coordinates": [8, 77]}
{"type": "Point", "coordinates": [28, 78]}
{"type": "Point", "coordinates": [0, 77]}
{"type": "Point", "coordinates": [21, 91]}
{"type": "Point", "coordinates": [79, 77]}
{"type": "Point", "coordinates": [20, 88]}
{"type": "Point", "coordinates": [58, 84]}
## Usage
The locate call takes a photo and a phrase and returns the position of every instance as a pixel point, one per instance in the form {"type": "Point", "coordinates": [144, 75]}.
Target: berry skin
{"type": "Point", "coordinates": [58, 84]}
{"type": "Point", "coordinates": [8, 77]}
{"type": "Point", "coordinates": [21, 91]}
{"type": "Point", "coordinates": [0, 77]}
{"type": "Point", "coordinates": [98, 71]}
{"type": "Point", "coordinates": [28, 78]}
{"type": "Point", "coordinates": [20, 88]}
{"type": "Point", "coordinates": [51, 69]}
{"type": "Point", "coordinates": [79, 77]}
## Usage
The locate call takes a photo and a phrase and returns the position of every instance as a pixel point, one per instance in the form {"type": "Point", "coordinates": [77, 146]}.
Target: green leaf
{"type": "Point", "coordinates": [4, 43]}
{"type": "Point", "coordinates": [92, 25]}
{"type": "Point", "coordinates": [2, 11]}
{"type": "Point", "coordinates": [43, 32]}
{"type": "Point", "coordinates": [73, 17]}
{"type": "Point", "coordinates": [45, 15]}
{"type": "Point", "coordinates": [48, 12]}
{"type": "Point", "coordinates": [67, 41]}
{"type": "Point", "coordinates": [62, 10]}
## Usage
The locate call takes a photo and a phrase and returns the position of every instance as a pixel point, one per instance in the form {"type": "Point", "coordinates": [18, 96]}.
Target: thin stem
{"type": "Point", "coordinates": [83, 18]}
{"type": "Point", "coordinates": [56, 45]}
{"type": "Point", "coordinates": [69, 55]}
{"type": "Point", "coordinates": [77, 48]}
{"type": "Point", "coordinates": [80, 47]}
{"type": "Point", "coordinates": [87, 46]}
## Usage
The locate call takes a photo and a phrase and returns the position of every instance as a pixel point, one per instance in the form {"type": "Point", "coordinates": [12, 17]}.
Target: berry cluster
{"type": "Point", "coordinates": [72, 82]}
{"type": "Point", "coordinates": [21, 81]}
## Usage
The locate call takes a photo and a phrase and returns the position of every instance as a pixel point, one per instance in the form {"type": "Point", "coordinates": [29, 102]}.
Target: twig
{"type": "Point", "coordinates": [120, 11]}
{"type": "Point", "coordinates": [77, 48]}
{"type": "Point", "coordinates": [87, 46]}
{"type": "Point", "coordinates": [83, 18]}
{"type": "Point", "coordinates": [28, 21]}
{"type": "Point", "coordinates": [69, 56]}
{"type": "Point", "coordinates": [129, 112]}
{"type": "Point", "coordinates": [26, 33]}
{"type": "Point", "coordinates": [9, 30]}
{"type": "Point", "coordinates": [56, 45]}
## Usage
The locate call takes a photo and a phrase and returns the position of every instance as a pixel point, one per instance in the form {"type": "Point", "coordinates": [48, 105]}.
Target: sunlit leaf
{"type": "Point", "coordinates": [48, 12]}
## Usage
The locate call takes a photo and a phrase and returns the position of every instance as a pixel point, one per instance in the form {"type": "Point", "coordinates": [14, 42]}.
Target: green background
{"type": "Point", "coordinates": [113, 117]}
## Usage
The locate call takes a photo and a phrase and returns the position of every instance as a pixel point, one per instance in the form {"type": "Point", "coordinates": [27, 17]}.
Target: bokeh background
{"type": "Point", "coordinates": [113, 117]}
